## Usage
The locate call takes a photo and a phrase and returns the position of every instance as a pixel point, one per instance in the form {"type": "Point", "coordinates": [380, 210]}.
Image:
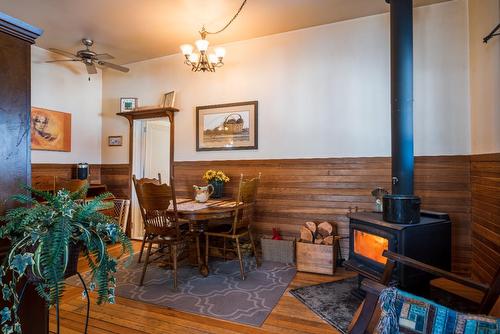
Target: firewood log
{"type": "Point", "coordinates": [318, 240]}
{"type": "Point", "coordinates": [328, 240]}
{"type": "Point", "coordinates": [335, 229]}
{"type": "Point", "coordinates": [325, 229]}
{"type": "Point", "coordinates": [311, 226]}
{"type": "Point", "coordinates": [306, 235]}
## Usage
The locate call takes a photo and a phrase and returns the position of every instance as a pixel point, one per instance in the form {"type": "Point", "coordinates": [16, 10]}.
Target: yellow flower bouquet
{"type": "Point", "coordinates": [216, 178]}
{"type": "Point", "coordinates": [215, 175]}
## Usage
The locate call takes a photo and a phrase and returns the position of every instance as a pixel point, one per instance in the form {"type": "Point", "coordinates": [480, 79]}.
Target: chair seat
{"type": "Point", "coordinates": [159, 239]}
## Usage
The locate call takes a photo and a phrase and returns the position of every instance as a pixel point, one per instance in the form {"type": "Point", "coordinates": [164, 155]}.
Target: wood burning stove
{"type": "Point", "coordinates": [428, 241]}
{"type": "Point", "coordinates": [423, 236]}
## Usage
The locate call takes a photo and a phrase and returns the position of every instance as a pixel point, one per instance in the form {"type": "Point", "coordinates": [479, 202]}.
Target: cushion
{"type": "Point", "coordinates": [403, 312]}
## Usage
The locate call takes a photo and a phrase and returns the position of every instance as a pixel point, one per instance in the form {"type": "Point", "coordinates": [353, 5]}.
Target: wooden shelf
{"type": "Point", "coordinates": [154, 112]}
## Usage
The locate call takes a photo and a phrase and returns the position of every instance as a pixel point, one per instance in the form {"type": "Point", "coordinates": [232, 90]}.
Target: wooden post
{"type": "Point", "coordinates": [16, 38]}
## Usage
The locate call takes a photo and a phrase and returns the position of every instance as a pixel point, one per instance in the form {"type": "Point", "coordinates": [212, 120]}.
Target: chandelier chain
{"type": "Point", "coordinates": [229, 23]}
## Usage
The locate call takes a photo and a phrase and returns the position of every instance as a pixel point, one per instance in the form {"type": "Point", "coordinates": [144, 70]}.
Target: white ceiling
{"type": "Point", "coordinates": [134, 30]}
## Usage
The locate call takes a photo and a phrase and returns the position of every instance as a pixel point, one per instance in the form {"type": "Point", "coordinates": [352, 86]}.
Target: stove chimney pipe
{"type": "Point", "coordinates": [402, 206]}
{"type": "Point", "coordinates": [401, 13]}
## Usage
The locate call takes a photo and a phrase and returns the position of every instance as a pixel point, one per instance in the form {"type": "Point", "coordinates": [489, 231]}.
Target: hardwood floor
{"type": "Point", "coordinates": [128, 316]}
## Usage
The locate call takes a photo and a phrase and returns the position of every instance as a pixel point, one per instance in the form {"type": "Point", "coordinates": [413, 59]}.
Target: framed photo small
{"type": "Point", "coordinates": [128, 104]}
{"type": "Point", "coordinates": [230, 126]}
{"type": "Point", "coordinates": [115, 140]}
{"type": "Point", "coordinates": [168, 99]}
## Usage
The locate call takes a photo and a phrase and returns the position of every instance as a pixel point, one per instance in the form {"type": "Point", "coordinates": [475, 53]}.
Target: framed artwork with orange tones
{"type": "Point", "coordinates": [50, 130]}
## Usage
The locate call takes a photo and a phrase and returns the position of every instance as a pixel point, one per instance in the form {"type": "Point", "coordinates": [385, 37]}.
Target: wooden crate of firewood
{"type": "Point", "coordinates": [317, 249]}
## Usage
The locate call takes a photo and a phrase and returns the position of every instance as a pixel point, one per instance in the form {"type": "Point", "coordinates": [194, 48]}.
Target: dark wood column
{"type": "Point", "coordinates": [16, 38]}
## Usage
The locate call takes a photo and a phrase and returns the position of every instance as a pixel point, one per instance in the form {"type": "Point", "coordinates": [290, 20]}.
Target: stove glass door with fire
{"type": "Point", "coordinates": [368, 244]}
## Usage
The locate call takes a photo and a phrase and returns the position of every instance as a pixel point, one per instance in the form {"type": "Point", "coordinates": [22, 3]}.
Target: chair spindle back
{"type": "Point", "coordinates": [246, 197]}
{"type": "Point", "coordinates": [154, 201]}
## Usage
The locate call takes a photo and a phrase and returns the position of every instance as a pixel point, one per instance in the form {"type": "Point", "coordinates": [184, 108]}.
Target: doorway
{"type": "Point", "coordinates": [151, 146]}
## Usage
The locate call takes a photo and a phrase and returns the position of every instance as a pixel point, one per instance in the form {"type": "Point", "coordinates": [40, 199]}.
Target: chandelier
{"type": "Point", "coordinates": [203, 61]}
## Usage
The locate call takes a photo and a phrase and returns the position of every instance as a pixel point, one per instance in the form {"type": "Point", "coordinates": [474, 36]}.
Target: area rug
{"type": "Point", "coordinates": [221, 295]}
{"type": "Point", "coordinates": [332, 301]}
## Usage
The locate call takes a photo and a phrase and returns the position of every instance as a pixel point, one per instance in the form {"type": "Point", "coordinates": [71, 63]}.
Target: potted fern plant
{"type": "Point", "coordinates": [46, 238]}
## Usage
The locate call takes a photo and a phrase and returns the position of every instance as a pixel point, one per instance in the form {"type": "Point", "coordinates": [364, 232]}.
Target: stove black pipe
{"type": "Point", "coordinates": [401, 12]}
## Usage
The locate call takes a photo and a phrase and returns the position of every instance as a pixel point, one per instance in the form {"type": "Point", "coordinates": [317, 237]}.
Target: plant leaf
{"type": "Point", "coordinates": [20, 262]}
{"type": "Point", "coordinates": [6, 293]}
{"type": "Point", "coordinates": [7, 329]}
{"type": "Point", "coordinates": [5, 313]}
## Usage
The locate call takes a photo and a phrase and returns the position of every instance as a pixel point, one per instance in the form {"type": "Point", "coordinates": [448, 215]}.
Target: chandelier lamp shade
{"type": "Point", "coordinates": [201, 60]}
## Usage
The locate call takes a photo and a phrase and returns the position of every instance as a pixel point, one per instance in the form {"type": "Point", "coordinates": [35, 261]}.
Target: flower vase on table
{"type": "Point", "coordinates": [218, 188]}
{"type": "Point", "coordinates": [217, 180]}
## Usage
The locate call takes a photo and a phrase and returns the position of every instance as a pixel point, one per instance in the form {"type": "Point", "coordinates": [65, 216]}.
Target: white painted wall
{"type": "Point", "coordinates": [322, 91]}
{"type": "Point", "coordinates": [484, 15]}
{"type": "Point", "coordinates": [65, 87]}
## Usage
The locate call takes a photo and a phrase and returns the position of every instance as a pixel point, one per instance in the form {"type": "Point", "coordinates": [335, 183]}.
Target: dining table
{"type": "Point", "coordinates": [200, 215]}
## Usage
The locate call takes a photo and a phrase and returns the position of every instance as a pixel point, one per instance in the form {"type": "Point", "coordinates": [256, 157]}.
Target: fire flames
{"type": "Point", "coordinates": [370, 245]}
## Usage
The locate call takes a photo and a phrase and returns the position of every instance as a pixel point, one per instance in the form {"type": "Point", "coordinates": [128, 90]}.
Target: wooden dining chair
{"type": "Point", "coordinates": [136, 183]}
{"type": "Point", "coordinates": [241, 221]}
{"type": "Point", "coordinates": [121, 209]}
{"type": "Point", "coordinates": [161, 224]}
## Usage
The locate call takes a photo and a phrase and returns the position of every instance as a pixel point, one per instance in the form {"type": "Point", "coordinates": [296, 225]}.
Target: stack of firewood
{"type": "Point", "coordinates": [318, 233]}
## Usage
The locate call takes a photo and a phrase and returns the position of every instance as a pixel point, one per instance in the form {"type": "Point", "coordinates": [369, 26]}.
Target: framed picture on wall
{"type": "Point", "coordinates": [128, 104]}
{"type": "Point", "coordinates": [50, 130]}
{"type": "Point", "coordinates": [115, 140]}
{"type": "Point", "coordinates": [168, 99]}
{"type": "Point", "coordinates": [231, 126]}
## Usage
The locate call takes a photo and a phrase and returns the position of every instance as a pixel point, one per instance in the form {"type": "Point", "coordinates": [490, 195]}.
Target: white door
{"type": "Point", "coordinates": [157, 150]}
{"type": "Point", "coordinates": [151, 156]}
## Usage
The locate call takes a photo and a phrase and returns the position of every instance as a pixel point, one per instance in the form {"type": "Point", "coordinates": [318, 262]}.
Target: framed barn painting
{"type": "Point", "coordinates": [231, 126]}
{"type": "Point", "coordinates": [50, 130]}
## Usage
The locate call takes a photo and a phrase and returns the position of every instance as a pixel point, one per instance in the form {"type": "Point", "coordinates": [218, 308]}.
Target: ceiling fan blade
{"type": "Point", "coordinates": [63, 53]}
{"type": "Point", "coordinates": [56, 61]}
{"type": "Point", "coordinates": [114, 66]}
{"type": "Point", "coordinates": [91, 69]}
{"type": "Point", "coordinates": [104, 56]}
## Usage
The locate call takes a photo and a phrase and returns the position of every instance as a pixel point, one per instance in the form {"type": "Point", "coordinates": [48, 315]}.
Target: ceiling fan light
{"type": "Point", "coordinates": [202, 45]}
{"type": "Point", "coordinates": [193, 58]}
{"type": "Point", "coordinates": [186, 49]}
{"type": "Point", "coordinates": [220, 52]}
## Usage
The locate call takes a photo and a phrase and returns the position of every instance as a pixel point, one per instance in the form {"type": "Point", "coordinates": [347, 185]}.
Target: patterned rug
{"type": "Point", "coordinates": [221, 295]}
{"type": "Point", "coordinates": [332, 301]}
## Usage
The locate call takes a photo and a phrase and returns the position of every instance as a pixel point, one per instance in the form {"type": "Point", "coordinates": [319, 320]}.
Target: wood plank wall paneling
{"type": "Point", "coordinates": [296, 190]}
{"type": "Point", "coordinates": [116, 178]}
{"type": "Point", "coordinates": [485, 184]}
{"type": "Point", "coordinates": [65, 171]}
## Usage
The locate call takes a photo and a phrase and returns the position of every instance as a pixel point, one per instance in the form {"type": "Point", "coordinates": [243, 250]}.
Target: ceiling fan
{"type": "Point", "coordinates": [89, 58]}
